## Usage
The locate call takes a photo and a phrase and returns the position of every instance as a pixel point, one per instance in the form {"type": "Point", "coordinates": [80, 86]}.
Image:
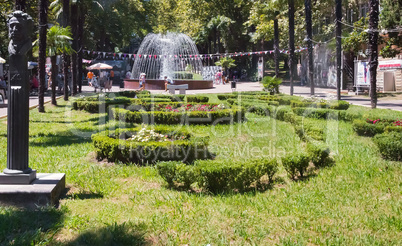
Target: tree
{"type": "Point", "coordinates": [66, 57]}
{"type": "Point", "coordinates": [43, 6]}
{"type": "Point", "coordinates": [226, 63]}
{"type": "Point", "coordinates": [338, 47]}
{"type": "Point", "coordinates": [58, 42]}
{"type": "Point", "coordinates": [291, 16]}
{"type": "Point", "coordinates": [309, 33]}
{"type": "Point", "coordinates": [373, 46]}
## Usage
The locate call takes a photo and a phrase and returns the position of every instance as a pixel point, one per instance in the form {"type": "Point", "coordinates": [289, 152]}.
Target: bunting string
{"type": "Point", "coordinates": [124, 56]}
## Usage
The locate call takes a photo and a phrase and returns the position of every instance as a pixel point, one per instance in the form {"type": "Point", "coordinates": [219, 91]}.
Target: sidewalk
{"type": "Point", "coordinates": [356, 100]}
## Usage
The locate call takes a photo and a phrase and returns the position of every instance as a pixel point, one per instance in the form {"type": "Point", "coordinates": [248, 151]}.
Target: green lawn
{"type": "Point", "coordinates": [355, 202]}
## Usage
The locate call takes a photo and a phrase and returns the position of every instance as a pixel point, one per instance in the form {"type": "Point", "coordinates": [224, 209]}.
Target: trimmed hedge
{"type": "Point", "coordinates": [114, 147]}
{"type": "Point", "coordinates": [338, 105]}
{"type": "Point", "coordinates": [192, 117]}
{"type": "Point", "coordinates": [94, 105]}
{"type": "Point", "coordinates": [218, 175]}
{"type": "Point", "coordinates": [197, 99]}
{"type": "Point", "coordinates": [363, 128]}
{"type": "Point", "coordinates": [155, 99]}
{"type": "Point", "coordinates": [296, 163]}
{"type": "Point", "coordinates": [390, 145]}
{"type": "Point", "coordinates": [317, 113]}
{"type": "Point", "coordinates": [319, 154]}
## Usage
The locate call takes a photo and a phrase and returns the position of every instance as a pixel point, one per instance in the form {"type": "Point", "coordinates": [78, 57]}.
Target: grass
{"type": "Point", "coordinates": [355, 202]}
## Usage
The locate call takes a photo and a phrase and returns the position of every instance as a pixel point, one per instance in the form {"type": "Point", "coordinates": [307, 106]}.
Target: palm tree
{"type": "Point", "coordinates": [58, 42]}
{"type": "Point", "coordinates": [43, 5]}
{"type": "Point", "coordinates": [309, 32]}
{"type": "Point", "coordinates": [226, 63]}
{"type": "Point", "coordinates": [66, 57]}
{"type": "Point", "coordinates": [373, 46]}
{"type": "Point", "coordinates": [219, 25]}
{"type": "Point", "coordinates": [291, 14]}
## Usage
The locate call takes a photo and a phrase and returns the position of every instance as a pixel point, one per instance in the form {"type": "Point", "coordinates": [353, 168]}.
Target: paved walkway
{"type": "Point", "coordinates": [356, 100]}
{"type": "Point", "coordinates": [254, 86]}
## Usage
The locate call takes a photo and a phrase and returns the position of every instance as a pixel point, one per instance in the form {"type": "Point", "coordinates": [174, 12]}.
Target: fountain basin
{"type": "Point", "coordinates": [159, 84]}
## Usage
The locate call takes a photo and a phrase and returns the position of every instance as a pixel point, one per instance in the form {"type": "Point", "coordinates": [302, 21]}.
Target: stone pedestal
{"type": "Point", "coordinates": [43, 191]}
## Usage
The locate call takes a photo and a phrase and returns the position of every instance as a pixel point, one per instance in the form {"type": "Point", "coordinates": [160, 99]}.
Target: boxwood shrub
{"type": "Point", "coordinates": [113, 146]}
{"type": "Point", "coordinates": [338, 105]}
{"type": "Point", "coordinates": [218, 175]}
{"type": "Point", "coordinates": [197, 99]}
{"type": "Point", "coordinates": [95, 104]}
{"type": "Point", "coordinates": [193, 117]}
{"type": "Point", "coordinates": [390, 145]}
{"type": "Point", "coordinates": [363, 128]}
{"type": "Point", "coordinates": [296, 163]}
{"type": "Point", "coordinates": [319, 154]}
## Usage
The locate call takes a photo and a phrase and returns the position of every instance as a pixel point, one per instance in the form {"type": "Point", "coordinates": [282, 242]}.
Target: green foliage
{"type": "Point", "coordinates": [115, 147]}
{"type": "Point", "coordinates": [363, 128]}
{"type": "Point", "coordinates": [355, 41]}
{"type": "Point", "coordinates": [97, 105]}
{"type": "Point", "coordinates": [317, 113]}
{"type": "Point", "coordinates": [339, 105]}
{"type": "Point", "coordinates": [390, 145]}
{"type": "Point", "coordinates": [271, 84]}
{"type": "Point", "coordinates": [194, 117]}
{"type": "Point", "coordinates": [319, 154]}
{"type": "Point", "coordinates": [58, 41]}
{"type": "Point", "coordinates": [218, 175]}
{"type": "Point", "coordinates": [183, 75]}
{"type": "Point", "coordinates": [296, 163]}
{"type": "Point", "coordinates": [197, 99]}
{"type": "Point", "coordinates": [226, 62]}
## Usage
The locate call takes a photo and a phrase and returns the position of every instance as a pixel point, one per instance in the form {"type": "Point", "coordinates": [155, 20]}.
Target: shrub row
{"type": "Point", "coordinates": [192, 117]}
{"type": "Point", "coordinates": [249, 102]}
{"type": "Point", "coordinates": [173, 98]}
{"type": "Point", "coordinates": [197, 99]}
{"type": "Point", "coordinates": [116, 149]}
{"type": "Point", "coordinates": [338, 105]}
{"type": "Point", "coordinates": [364, 128]}
{"type": "Point", "coordinates": [218, 175]}
{"type": "Point", "coordinates": [390, 145]}
{"type": "Point", "coordinates": [95, 106]}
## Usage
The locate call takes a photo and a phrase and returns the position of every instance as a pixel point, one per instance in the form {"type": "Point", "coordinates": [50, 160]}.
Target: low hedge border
{"type": "Point", "coordinates": [193, 117]}
{"type": "Point", "coordinates": [364, 128]}
{"type": "Point", "coordinates": [390, 145]}
{"type": "Point", "coordinates": [172, 98]}
{"type": "Point", "coordinates": [197, 99]}
{"type": "Point", "coordinates": [111, 145]}
{"type": "Point", "coordinates": [338, 105]}
{"type": "Point", "coordinates": [95, 106]}
{"type": "Point", "coordinates": [218, 175]}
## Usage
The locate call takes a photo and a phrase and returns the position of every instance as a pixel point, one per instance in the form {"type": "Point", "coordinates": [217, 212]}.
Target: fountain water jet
{"type": "Point", "coordinates": [174, 55]}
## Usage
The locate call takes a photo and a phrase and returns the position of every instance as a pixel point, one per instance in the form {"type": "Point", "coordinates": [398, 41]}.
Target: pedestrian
{"type": "Point", "coordinates": [167, 82]}
{"type": "Point", "coordinates": [90, 76]}
{"type": "Point", "coordinates": [142, 81]}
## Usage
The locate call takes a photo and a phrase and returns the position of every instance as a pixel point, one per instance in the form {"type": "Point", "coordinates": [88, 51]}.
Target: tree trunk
{"type": "Point", "coordinates": [54, 78]}
{"type": "Point", "coordinates": [74, 57]}
{"type": "Point", "coordinates": [21, 5]}
{"type": "Point", "coordinates": [66, 57]}
{"type": "Point", "coordinates": [81, 22]}
{"type": "Point", "coordinates": [291, 15]}
{"type": "Point", "coordinates": [338, 48]}
{"type": "Point", "coordinates": [373, 46]}
{"type": "Point", "coordinates": [43, 5]}
{"type": "Point", "coordinates": [309, 29]}
{"type": "Point", "coordinates": [276, 47]}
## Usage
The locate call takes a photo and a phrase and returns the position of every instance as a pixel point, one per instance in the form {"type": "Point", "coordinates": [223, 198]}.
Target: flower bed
{"type": "Point", "coordinates": [145, 145]}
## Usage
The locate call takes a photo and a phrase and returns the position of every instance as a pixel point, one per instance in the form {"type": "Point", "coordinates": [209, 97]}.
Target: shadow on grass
{"type": "Point", "coordinates": [60, 139]}
{"type": "Point", "coordinates": [254, 189]}
{"type": "Point", "coordinates": [83, 195]}
{"type": "Point", "coordinates": [127, 233]}
{"type": "Point", "coordinates": [29, 227]}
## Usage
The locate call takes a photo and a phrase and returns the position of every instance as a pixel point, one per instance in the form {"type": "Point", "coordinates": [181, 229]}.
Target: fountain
{"type": "Point", "coordinates": [174, 55]}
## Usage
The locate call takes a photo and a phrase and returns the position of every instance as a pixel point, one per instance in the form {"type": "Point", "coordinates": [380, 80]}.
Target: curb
{"type": "Point", "coordinates": [33, 106]}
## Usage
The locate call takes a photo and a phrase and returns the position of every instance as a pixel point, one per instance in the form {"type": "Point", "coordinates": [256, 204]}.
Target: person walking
{"type": "Point", "coordinates": [142, 81]}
